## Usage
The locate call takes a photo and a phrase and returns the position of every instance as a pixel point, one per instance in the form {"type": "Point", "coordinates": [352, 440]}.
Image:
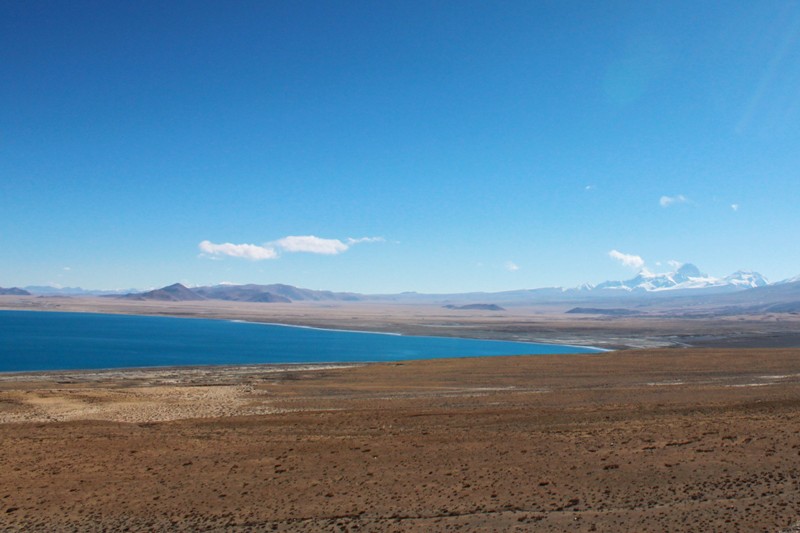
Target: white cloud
{"type": "Point", "coordinates": [511, 266]}
{"type": "Point", "coordinates": [66, 269]}
{"type": "Point", "coordinates": [290, 244]}
{"type": "Point", "coordinates": [629, 260]}
{"type": "Point", "coordinates": [735, 207]}
{"type": "Point", "coordinates": [318, 245]}
{"type": "Point", "coordinates": [351, 241]}
{"type": "Point", "coordinates": [311, 244]}
{"type": "Point", "coordinates": [674, 264]}
{"type": "Point", "coordinates": [667, 201]}
{"type": "Point", "coordinates": [589, 188]}
{"type": "Point", "coordinates": [244, 251]}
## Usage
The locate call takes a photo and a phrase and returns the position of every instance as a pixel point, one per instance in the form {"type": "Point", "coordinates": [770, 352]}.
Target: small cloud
{"type": "Point", "coordinates": [317, 245]}
{"type": "Point", "coordinates": [667, 201]}
{"type": "Point", "coordinates": [735, 207]}
{"type": "Point", "coordinates": [628, 260]}
{"type": "Point", "coordinates": [589, 188]}
{"type": "Point", "coordinates": [66, 269]}
{"type": "Point", "coordinates": [364, 240]}
{"type": "Point", "coordinates": [311, 244]}
{"type": "Point", "coordinates": [252, 252]}
{"type": "Point", "coordinates": [674, 264]}
{"type": "Point", "coordinates": [511, 266]}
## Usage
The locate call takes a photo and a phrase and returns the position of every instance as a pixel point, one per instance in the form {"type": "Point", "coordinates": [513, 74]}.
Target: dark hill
{"type": "Point", "coordinates": [596, 311]}
{"type": "Point", "coordinates": [295, 293]}
{"type": "Point", "coordinates": [173, 293]}
{"type": "Point", "coordinates": [14, 291]}
{"type": "Point", "coordinates": [234, 293]}
{"type": "Point", "coordinates": [269, 297]}
{"type": "Point", "coordinates": [480, 307]}
{"type": "Point", "coordinates": [788, 307]}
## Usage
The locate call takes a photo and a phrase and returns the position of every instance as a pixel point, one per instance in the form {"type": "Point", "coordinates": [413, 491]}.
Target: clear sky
{"type": "Point", "coordinates": [391, 146]}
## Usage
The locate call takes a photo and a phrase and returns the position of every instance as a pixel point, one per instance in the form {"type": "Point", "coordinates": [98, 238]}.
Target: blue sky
{"type": "Point", "coordinates": [382, 147]}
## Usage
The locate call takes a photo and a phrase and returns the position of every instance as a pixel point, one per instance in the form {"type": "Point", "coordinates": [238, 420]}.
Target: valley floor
{"type": "Point", "coordinates": [640, 440]}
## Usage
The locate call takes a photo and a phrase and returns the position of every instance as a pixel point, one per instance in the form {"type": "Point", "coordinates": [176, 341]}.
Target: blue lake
{"type": "Point", "coordinates": [35, 340]}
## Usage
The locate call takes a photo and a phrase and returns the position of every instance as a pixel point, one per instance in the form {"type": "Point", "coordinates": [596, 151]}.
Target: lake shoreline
{"type": "Point", "coordinates": [538, 324]}
{"type": "Point", "coordinates": [499, 337]}
{"type": "Point", "coordinates": [46, 341]}
{"type": "Point", "coordinates": [102, 374]}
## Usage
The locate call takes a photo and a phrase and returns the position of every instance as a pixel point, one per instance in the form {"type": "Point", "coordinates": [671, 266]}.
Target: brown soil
{"type": "Point", "coordinates": [669, 440]}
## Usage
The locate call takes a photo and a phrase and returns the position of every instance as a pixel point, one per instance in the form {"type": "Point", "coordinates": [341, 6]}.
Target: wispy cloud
{"type": "Point", "coordinates": [289, 244]}
{"type": "Point", "coordinates": [511, 266]}
{"type": "Point", "coordinates": [311, 244]}
{"type": "Point", "coordinates": [351, 241]}
{"type": "Point", "coordinates": [628, 260]}
{"type": "Point", "coordinates": [667, 201]}
{"type": "Point", "coordinates": [244, 251]}
{"type": "Point", "coordinates": [735, 207]}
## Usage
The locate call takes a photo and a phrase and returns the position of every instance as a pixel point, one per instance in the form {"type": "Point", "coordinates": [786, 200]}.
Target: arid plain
{"type": "Point", "coordinates": [662, 437]}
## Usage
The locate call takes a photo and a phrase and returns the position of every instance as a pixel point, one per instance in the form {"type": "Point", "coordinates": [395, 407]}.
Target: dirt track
{"type": "Point", "coordinates": [671, 440]}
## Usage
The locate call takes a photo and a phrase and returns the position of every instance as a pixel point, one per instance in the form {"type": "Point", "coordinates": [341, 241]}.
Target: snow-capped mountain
{"type": "Point", "coordinates": [688, 276]}
{"type": "Point", "coordinates": [746, 279]}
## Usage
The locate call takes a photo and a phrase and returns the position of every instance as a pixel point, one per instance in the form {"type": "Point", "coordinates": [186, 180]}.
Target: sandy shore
{"type": "Point", "coordinates": [655, 440]}
{"type": "Point", "coordinates": [144, 394]}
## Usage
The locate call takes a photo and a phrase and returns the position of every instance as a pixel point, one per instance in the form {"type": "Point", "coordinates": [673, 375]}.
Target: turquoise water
{"type": "Point", "coordinates": [34, 340]}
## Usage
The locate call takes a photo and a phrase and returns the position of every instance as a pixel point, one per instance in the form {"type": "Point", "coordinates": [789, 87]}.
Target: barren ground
{"type": "Point", "coordinates": [641, 440]}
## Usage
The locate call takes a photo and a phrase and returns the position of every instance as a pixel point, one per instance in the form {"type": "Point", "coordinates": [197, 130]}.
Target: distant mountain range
{"type": "Point", "coordinates": [279, 293]}
{"type": "Point", "coordinates": [687, 288]}
{"type": "Point", "coordinates": [48, 290]}
{"type": "Point", "coordinates": [243, 293]}
{"type": "Point", "coordinates": [687, 277]}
